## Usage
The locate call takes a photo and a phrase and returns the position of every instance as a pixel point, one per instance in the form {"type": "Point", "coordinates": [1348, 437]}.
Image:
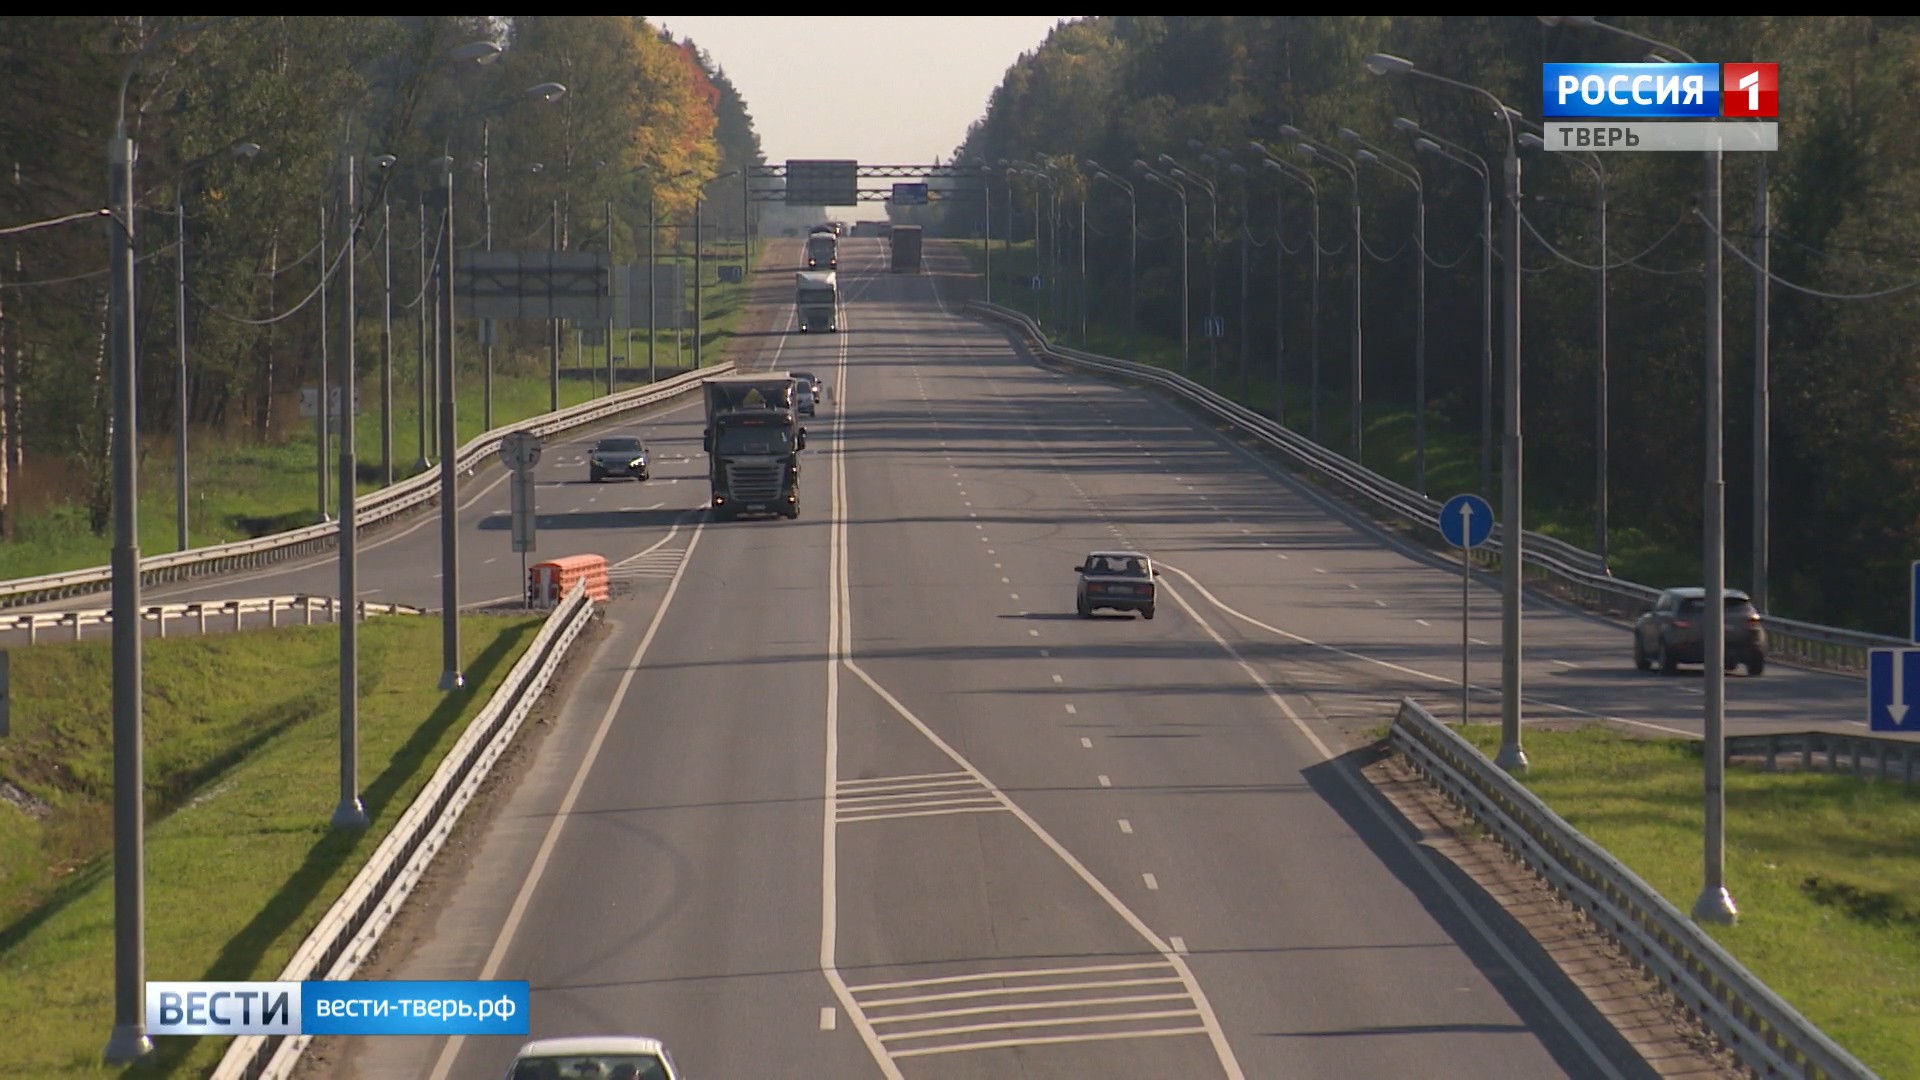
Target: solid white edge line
{"type": "Point", "coordinates": [520, 902]}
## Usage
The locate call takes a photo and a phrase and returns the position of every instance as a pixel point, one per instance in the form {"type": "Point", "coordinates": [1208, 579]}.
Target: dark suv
{"type": "Point", "coordinates": [1670, 633]}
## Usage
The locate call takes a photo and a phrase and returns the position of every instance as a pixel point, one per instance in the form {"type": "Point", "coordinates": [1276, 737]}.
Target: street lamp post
{"type": "Point", "coordinates": [1133, 254]}
{"type": "Point", "coordinates": [183, 397]}
{"type": "Point", "coordinates": [421, 464]}
{"type": "Point", "coordinates": [385, 162]}
{"type": "Point", "coordinates": [1426, 142]}
{"type": "Point", "coordinates": [1715, 903]}
{"type": "Point", "coordinates": [1186, 292]}
{"type": "Point", "coordinates": [1305, 179]}
{"type": "Point", "coordinates": [1591, 162]}
{"type": "Point", "coordinates": [348, 814]}
{"type": "Point", "coordinates": [1512, 757]}
{"type": "Point", "coordinates": [1407, 171]}
{"type": "Point", "coordinates": [699, 257]}
{"type": "Point", "coordinates": [1314, 149]}
{"type": "Point", "coordinates": [1213, 238]}
{"type": "Point", "coordinates": [450, 675]}
{"type": "Point", "coordinates": [128, 1041]}
{"type": "Point", "coordinates": [320, 386]}
{"type": "Point", "coordinates": [986, 245]}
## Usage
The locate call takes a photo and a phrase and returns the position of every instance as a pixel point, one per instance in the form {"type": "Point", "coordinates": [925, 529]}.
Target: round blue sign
{"type": "Point", "coordinates": [1466, 521]}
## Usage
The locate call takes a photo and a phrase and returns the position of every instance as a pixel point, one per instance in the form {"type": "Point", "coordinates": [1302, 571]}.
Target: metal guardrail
{"type": "Point", "coordinates": [67, 625]}
{"type": "Point", "coordinates": [1546, 560]}
{"type": "Point", "coordinates": [1865, 756]}
{"type": "Point", "coordinates": [1768, 1035]}
{"type": "Point", "coordinates": [375, 508]}
{"type": "Point", "coordinates": [347, 934]}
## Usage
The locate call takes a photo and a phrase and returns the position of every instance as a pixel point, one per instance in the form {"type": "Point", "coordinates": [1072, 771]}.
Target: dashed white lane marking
{"type": "Point", "coordinates": [1071, 711]}
{"type": "Point", "coordinates": [1016, 596]}
{"type": "Point", "coordinates": [1003, 581]}
{"type": "Point", "coordinates": [1379, 603]}
{"type": "Point", "coordinates": [1034, 633]}
{"type": "Point", "coordinates": [1126, 826]}
{"type": "Point", "coordinates": [1564, 663]}
{"type": "Point", "coordinates": [1423, 622]}
{"type": "Point", "coordinates": [1316, 569]}
{"type": "Point", "coordinates": [1153, 883]}
{"type": "Point", "coordinates": [1179, 944]}
{"type": "Point", "coordinates": [829, 1018]}
{"type": "Point", "coordinates": [1105, 780]}
{"type": "Point", "coordinates": [1477, 641]}
{"type": "Point", "coordinates": [1086, 743]}
{"type": "Point", "coordinates": [1058, 679]}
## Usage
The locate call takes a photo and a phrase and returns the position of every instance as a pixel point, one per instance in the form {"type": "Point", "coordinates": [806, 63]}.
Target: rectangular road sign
{"type": "Point", "coordinates": [823, 183]}
{"type": "Point", "coordinates": [524, 527]}
{"type": "Point", "coordinates": [630, 294]}
{"type": "Point", "coordinates": [534, 285]}
{"type": "Point", "coordinates": [1893, 689]}
{"type": "Point", "coordinates": [909, 194]}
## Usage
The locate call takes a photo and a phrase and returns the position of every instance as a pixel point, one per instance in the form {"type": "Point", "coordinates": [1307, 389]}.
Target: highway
{"type": "Point", "coordinates": [857, 795]}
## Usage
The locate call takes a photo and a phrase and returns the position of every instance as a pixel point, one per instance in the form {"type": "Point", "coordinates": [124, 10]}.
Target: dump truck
{"type": "Point", "coordinates": [817, 299]}
{"type": "Point", "coordinates": [753, 441]}
{"type": "Point", "coordinates": [906, 249]}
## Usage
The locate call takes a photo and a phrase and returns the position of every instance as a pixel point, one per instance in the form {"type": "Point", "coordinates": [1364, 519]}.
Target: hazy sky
{"type": "Point", "coordinates": [881, 89]}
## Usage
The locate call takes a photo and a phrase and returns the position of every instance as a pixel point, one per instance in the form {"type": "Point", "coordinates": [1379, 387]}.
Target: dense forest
{"type": "Point", "coordinates": [244, 123]}
{"type": "Point", "coordinates": [1844, 319]}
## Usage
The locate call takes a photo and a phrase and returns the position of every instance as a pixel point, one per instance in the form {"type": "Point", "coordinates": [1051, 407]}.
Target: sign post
{"type": "Point", "coordinates": [1893, 675]}
{"type": "Point", "coordinates": [1466, 521]}
{"type": "Point", "coordinates": [520, 451]}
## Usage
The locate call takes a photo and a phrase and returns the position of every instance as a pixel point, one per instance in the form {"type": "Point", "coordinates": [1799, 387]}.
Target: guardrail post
{"type": "Point", "coordinates": [159, 616]}
{"type": "Point", "coordinates": [273, 612]}
{"type": "Point", "coordinates": [75, 618]}
{"type": "Point", "coordinates": [201, 610]}
{"type": "Point", "coordinates": [1880, 759]}
{"type": "Point", "coordinates": [1906, 758]}
{"type": "Point", "coordinates": [307, 603]}
{"type": "Point", "coordinates": [33, 626]}
{"type": "Point", "coordinates": [236, 615]}
{"type": "Point", "coordinates": [1833, 754]}
{"type": "Point", "coordinates": [1773, 748]}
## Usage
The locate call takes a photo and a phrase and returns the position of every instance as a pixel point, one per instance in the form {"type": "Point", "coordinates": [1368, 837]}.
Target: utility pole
{"type": "Point", "coordinates": [348, 814]}
{"type": "Point", "coordinates": [320, 385]}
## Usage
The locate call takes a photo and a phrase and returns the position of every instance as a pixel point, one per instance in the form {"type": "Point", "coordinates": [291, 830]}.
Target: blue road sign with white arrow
{"type": "Point", "coordinates": [1893, 689]}
{"type": "Point", "coordinates": [1466, 521]}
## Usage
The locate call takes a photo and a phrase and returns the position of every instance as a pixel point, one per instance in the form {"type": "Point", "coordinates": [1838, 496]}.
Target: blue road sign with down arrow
{"type": "Point", "coordinates": [1893, 689]}
{"type": "Point", "coordinates": [1466, 521]}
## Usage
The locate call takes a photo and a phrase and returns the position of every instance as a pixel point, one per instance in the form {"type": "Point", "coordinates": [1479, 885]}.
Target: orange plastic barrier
{"type": "Point", "coordinates": [549, 582]}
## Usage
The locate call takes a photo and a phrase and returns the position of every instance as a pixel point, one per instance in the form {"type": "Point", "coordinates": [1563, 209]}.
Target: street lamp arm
{"type": "Point", "coordinates": [132, 65]}
{"type": "Point", "coordinates": [1383, 64]}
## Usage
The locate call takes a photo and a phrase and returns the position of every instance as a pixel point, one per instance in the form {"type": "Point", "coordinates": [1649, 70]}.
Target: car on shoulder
{"type": "Point", "coordinates": [1116, 581]}
{"type": "Point", "coordinates": [1672, 632]}
{"type": "Point", "coordinates": [602, 1057]}
{"type": "Point", "coordinates": [619, 455]}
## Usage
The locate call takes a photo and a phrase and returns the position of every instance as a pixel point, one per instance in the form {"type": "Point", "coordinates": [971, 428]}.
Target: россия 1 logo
{"type": "Point", "coordinates": [1660, 91]}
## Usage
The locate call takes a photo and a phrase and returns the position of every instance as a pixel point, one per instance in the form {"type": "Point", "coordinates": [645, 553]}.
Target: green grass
{"type": "Point", "coordinates": [242, 746]}
{"type": "Point", "coordinates": [242, 487]}
{"type": "Point", "coordinates": [1453, 451]}
{"type": "Point", "coordinates": [1825, 871]}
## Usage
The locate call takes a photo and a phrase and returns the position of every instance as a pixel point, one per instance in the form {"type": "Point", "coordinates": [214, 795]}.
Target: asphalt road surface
{"type": "Point", "coordinates": [857, 795]}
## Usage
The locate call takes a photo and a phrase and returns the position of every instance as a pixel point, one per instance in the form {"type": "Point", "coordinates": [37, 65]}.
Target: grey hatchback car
{"type": "Point", "coordinates": [1670, 633]}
